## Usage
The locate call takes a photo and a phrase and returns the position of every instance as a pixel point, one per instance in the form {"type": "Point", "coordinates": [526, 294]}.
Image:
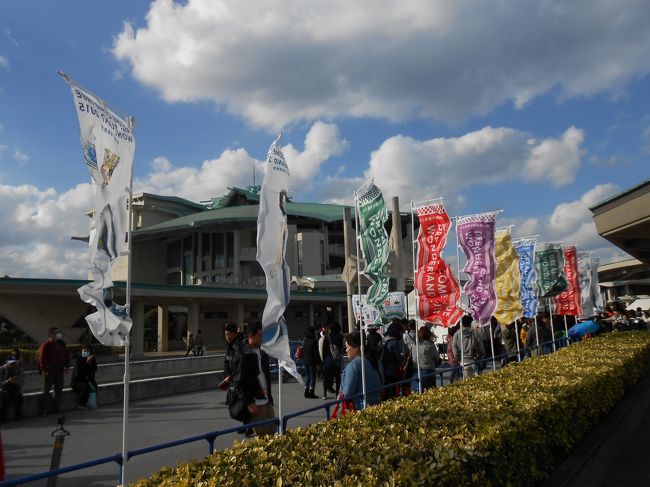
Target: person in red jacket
{"type": "Point", "coordinates": [53, 359]}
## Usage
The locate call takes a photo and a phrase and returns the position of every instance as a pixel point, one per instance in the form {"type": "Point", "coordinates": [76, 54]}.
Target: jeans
{"type": "Point", "coordinates": [428, 379]}
{"type": "Point", "coordinates": [52, 379]}
{"type": "Point", "coordinates": [310, 380]}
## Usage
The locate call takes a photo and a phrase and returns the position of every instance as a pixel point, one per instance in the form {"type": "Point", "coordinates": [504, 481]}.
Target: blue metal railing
{"type": "Point", "coordinates": [281, 424]}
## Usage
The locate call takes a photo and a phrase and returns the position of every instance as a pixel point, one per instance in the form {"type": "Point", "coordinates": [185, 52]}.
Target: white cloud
{"type": "Point", "coordinates": [570, 218]}
{"type": "Point", "coordinates": [42, 223]}
{"type": "Point", "coordinates": [556, 160]}
{"type": "Point", "coordinates": [646, 140]}
{"type": "Point", "coordinates": [234, 167]}
{"type": "Point", "coordinates": [20, 156]}
{"type": "Point", "coordinates": [417, 170]}
{"type": "Point", "coordinates": [280, 61]}
{"type": "Point", "coordinates": [4, 62]}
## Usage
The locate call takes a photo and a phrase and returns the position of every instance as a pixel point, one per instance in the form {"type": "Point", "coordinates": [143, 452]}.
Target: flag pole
{"type": "Point", "coordinates": [127, 340]}
{"type": "Point", "coordinates": [494, 362]}
{"type": "Point", "coordinates": [517, 336]}
{"type": "Point", "coordinates": [460, 327]}
{"type": "Point", "coordinates": [280, 369]}
{"type": "Point", "coordinates": [417, 301]}
{"type": "Point", "coordinates": [550, 314]}
{"type": "Point", "coordinates": [361, 322]}
{"type": "Point", "coordinates": [566, 330]}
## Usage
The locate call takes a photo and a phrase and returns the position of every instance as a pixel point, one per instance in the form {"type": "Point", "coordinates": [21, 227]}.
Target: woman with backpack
{"type": "Point", "coordinates": [391, 357]}
{"type": "Point", "coordinates": [336, 349]}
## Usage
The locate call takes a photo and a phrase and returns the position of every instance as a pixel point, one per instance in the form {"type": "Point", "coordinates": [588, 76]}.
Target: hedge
{"type": "Point", "coordinates": [510, 427]}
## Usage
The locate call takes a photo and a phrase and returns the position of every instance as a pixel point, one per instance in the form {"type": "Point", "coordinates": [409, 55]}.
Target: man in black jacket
{"type": "Point", "coordinates": [249, 396]}
{"type": "Point", "coordinates": [235, 339]}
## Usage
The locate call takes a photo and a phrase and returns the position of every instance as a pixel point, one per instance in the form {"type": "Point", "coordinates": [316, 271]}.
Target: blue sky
{"type": "Point", "coordinates": [537, 108]}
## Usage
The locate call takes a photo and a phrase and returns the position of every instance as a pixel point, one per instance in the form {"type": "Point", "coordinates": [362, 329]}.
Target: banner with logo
{"type": "Point", "coordinates": [394, 307]}
{"type": "Point", "coordinates": [568, 302]}
{"type": "Point", "coordinates": [108, 147]}
{"type": "Point", "coordinates": [549, 267]}
{"type": "Point", "coordinates": [374, 242]}
{"type": "Point", "coordinates": [507, 278]}
{"type": "Point", "coordinates": [437, 289]}
{"type": "Point", "coordinates": [527, 293]}
{"type": "Point", "coordinates": [476, 238]}
{"type": "Point", "coordinates": [271, 252]}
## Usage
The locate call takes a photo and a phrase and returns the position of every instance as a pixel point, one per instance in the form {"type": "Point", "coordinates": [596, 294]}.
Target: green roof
{"type": "Point", "coordinates": [247, 213]}
{"type": "Point", "coordinates": [176, 199]}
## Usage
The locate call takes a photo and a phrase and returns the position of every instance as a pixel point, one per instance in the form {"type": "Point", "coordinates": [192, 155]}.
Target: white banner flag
{"type": "Point", "coordinates": [108, 148]}
{"type": "Point", "coordinates": [592, 300]}
{"type": "Point", "coordinates": [271, 251]}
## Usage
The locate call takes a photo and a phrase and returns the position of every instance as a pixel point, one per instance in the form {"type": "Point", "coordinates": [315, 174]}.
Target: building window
{"type": "Point", "coordinates": [187, 269]}
{"type": "Point", "coordinates": [174, 278]}
{"type": "Point", "coordinates": [219, 250]}
{"type": "Point", "coordinates": [322, 258]}
{"type": "Point", "coordinates": [300, 256]}
{"type": "Point", "coordinates": [174, 255]}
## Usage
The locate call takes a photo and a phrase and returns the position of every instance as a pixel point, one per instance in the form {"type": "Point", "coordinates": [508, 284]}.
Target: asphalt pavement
{"type": "Point", "coordinates": [98, 433]}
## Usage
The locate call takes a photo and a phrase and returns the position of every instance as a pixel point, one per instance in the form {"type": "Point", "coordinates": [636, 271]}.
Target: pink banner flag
{"type": "Point", "coordinates": [437, 289]}
{"type": "Point", "coordinates": [569, 302]}
{"type": "Point", "coordinates": [476, 238]}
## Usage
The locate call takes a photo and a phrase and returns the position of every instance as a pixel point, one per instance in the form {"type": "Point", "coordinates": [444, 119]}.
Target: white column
{"type": "Point", "coordinates": [163, 328]}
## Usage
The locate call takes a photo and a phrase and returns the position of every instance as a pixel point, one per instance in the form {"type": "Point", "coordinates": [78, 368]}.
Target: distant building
{"type": "Point", "coordinates": [624, 220]}
{"type": "Point", "coordinates": [194, 267]}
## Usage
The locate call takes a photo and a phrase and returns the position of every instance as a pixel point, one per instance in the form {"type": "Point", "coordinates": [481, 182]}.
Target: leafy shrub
{"type": "Point", "coordinates": [511, 427]}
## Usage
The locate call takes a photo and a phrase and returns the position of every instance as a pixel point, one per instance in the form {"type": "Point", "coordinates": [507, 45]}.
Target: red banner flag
{"type": "Point", "coordinates": [437, 289]}
{"type": "Point", "coordinates": [569, 302]}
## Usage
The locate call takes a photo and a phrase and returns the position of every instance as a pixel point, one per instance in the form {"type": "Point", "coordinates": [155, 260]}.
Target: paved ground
{"type": "Point", "coordinates": [95, 434]}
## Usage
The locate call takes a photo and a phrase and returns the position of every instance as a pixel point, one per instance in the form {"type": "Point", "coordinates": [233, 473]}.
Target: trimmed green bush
{"type": "Point", "coordinates": [511, 427]}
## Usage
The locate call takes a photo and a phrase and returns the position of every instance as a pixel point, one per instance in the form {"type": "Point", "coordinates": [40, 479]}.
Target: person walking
{"type": "Point", "coordinates": [311, 360]}
{"type": "Point", "coordinates": [11, 387]}
{"type": "Point", "coordinates": [83, 377]}
{"type": "Point", "coordinates": [234, 339]}
{"type": "Point", "coordinates": [452, 360]}
{"type": "Point", "coordinates": [391, 357]}
{"type": "Point", "coordinates": [468, 347]}
{"type": "Point", "coordinates": [327, 360]}
{"type": "Point", "coordinates": [427, 355]}
{"type": "Point", "coordinates": [189, 344]}
{"type": "Point", "coordinates": [249, 396]}
{"type": "Point", "coordinates": [336, 348]}
{"type": "Point", "coordinates": [53, 359]}
{"type": "Point", "coordinates": [199, 344]}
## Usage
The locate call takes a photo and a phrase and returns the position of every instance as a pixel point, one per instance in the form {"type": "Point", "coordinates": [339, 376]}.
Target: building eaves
{"type": "Point", "coordinates": [238, 214]}
{"type": "Point", "coordinates": [620, 195]}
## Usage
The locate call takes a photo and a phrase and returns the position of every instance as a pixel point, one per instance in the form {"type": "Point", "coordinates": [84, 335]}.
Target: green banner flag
{"type": "Point", "coordinates": [374, 242]}
{"type": "Point", "coordinates": [549, 265]}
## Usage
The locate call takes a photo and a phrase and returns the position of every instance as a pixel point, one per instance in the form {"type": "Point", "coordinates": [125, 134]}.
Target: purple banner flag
{"type": "Point", "coordinates": [476, 238]}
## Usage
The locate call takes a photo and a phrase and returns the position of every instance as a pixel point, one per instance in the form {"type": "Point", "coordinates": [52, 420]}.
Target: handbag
{"type": "Point", "coordinates": [236, 407]}
{"type": "Point", "coordinates": [299, 352]}
{"type": "Point", "coordinates": [342, 408]}
{"type": "Point", "coordinates": [92, 397]}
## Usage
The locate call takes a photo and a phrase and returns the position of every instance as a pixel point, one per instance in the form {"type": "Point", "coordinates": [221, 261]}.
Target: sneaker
{"type": "Point", "coordinates": [325, 397]}
{"type": "Point", "coordinates": [83, 406]}
{"type": "Point", "coordinates": [250, 432]}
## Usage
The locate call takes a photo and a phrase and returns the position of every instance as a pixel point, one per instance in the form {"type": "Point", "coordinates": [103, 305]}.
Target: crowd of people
{"type": "Point", "coordinates": [404, 355]}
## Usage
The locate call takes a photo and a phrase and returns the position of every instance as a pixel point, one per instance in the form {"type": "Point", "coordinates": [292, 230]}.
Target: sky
{"type": "Point", "coordinates": [539, 108]}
